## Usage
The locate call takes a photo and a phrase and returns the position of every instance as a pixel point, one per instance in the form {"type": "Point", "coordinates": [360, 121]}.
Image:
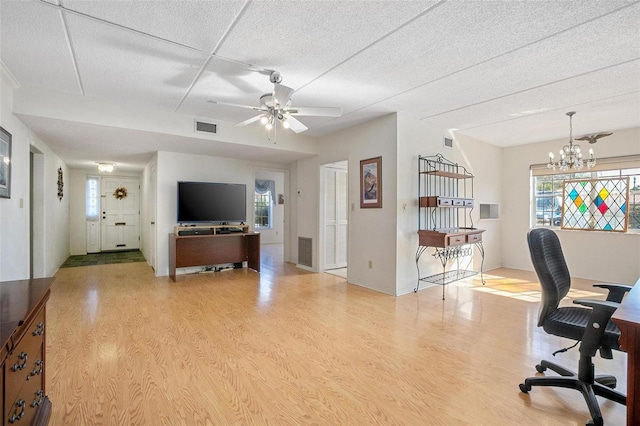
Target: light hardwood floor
{"type": "Point", "coordinates": [292, 347]}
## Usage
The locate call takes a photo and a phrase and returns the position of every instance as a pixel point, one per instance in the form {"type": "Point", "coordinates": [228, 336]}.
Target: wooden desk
{"type": "Point", "coordinates": [627, 318]}
{"type": "Point", "coordinates": [203, 250]}
{"type": "Point", "coordinates": [23, 397]}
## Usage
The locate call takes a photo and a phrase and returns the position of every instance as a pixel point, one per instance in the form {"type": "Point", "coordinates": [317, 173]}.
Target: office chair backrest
{"type": "Point", "coordinates": [552, 271]}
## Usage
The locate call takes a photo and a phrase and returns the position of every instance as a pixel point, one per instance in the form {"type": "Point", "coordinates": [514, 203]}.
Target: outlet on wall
{"type": "Point", "coordinates": [371, 264]}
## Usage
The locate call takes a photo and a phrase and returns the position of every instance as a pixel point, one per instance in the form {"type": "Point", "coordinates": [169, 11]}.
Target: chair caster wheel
{"type": "Point", "coordinates": [524, 388]}
{"type": "Point", "coordinates": [540, 368]}
{"type": "Point", "coordinates": [598, 422]}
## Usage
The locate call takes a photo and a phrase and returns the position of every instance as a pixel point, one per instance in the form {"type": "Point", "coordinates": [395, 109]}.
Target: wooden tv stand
{"type": "Point", "coordinates": [213, 249]}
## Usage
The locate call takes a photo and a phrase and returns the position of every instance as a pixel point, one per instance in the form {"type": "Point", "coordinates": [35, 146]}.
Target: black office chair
{"type": "Point", "coordinates": [590, 325]}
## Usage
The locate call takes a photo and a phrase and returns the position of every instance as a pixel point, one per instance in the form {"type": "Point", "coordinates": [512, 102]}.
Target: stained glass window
{"type": "Point", "coordinates": [595, 204]}
{"type": "Point", "coordinates": [548, 205]}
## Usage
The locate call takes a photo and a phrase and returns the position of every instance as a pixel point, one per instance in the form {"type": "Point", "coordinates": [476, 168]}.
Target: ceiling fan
{"type": "Point", "coordinates": [275, 107]}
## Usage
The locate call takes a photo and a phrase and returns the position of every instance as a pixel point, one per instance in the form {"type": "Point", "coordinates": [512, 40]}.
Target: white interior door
{"type": "Point", "coordinates": [120, 216]}
{"type": "Point", "coordinates": [336, 218]}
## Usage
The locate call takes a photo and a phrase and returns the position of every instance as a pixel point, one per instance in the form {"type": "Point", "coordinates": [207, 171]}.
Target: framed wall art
{"type": "Point", "coordinates": [5, 163]}
{"type": "Point", "coordinates": [371, 183]}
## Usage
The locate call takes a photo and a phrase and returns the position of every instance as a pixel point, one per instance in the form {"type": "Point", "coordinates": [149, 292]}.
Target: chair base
{"type": "Point", "coordinates": [602, 386]}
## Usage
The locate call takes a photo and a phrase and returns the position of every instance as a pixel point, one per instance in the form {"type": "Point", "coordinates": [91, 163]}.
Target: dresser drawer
{"type": "Point", "coordinates": [22, 409]}
{"type": "Point", "coordinates": [25, 365]}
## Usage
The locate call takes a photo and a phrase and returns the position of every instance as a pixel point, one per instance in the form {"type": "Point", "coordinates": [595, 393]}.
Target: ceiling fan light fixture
{"type": "Point", "coordinates": [264, 119]}
{"type": "Point", "coordinates": [285, 124]}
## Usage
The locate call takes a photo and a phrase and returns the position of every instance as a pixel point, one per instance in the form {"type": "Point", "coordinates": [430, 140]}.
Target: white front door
{"type": "Point", "coordinates": [120, 213]}
{"type": "Point", "coordinates": [335, 218]}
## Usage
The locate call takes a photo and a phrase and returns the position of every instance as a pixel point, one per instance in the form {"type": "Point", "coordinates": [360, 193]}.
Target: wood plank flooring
{"type": "Point", "coordinates": [291, 347]}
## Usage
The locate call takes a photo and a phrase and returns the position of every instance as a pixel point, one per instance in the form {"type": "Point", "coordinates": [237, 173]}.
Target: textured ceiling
{"type": "Point", "coordinates": [501, 71]}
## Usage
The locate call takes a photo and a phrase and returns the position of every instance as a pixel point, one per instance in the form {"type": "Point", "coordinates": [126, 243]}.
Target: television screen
{"type": "Point", "coordinates": [211, 202]}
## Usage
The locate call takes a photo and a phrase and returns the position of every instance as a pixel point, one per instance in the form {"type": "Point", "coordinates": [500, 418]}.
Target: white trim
{"type": "Point", "coordinates": [8, 76]}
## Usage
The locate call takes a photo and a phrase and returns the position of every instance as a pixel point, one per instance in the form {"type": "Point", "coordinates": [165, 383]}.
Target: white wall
{"type": "Point", "coordinates": [148, 209]}
{"type": "Point", "coordinates": [593, 255]}
{"type": "Point", "coordinates": [388, 236]}
{"type": "Point", "coordinates": [275, 234]}
{"type": "Point", "coordinates": [416, 138]}
{"type": "Point", "coordinates": [52, 242]}
{"type": "Point", "coordinates": [372, 233]}
{"type": "Point", "coordinates": [173, 167]}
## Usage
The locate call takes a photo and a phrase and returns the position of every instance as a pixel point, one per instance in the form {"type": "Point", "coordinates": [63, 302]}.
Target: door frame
{"type": "Point", "coordinates": [321, 208]}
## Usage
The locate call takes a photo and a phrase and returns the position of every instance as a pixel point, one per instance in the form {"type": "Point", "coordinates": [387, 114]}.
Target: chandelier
{"type": "Point", "coordinates": [570, 154]}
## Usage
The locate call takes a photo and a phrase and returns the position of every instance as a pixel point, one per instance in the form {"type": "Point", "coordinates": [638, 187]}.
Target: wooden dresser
{"type": "Point", "coordinates": [22, 333]}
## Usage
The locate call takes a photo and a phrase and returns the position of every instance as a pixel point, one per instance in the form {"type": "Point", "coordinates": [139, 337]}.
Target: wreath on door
{"type": "Point", "coordinates": [120, 193]}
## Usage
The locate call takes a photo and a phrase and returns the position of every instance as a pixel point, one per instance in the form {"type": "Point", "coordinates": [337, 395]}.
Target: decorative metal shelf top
{"type": "Point", "coordinates": [448, 174]}
{"type": "Point", "coordinates": [437, 165]}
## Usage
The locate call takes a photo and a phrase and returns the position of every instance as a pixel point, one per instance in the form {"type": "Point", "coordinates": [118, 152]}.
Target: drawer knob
{"type": "Point", "coordinates": [39, 399]}
{"type": "Point", "coordinates": [18, 415]}
{"type": "Point", "coordinates": [20, 366]}
{"type": "Point", "coordinates": [37, 368]}
{"type": "Point", "coordinates": [39, 331]}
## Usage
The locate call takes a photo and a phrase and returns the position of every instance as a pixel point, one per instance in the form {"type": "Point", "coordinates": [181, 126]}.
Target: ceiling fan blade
{"type": "Point", "coordinates": [316, 111]}
{"type": "Point", "coordinates": [237, 105]}
{"type": "Point", "coordinates": [282, 94]}
{"type": "Point", "coordinates": [249, 121]}
{"type": "Point", "coordinates": [295, 125]}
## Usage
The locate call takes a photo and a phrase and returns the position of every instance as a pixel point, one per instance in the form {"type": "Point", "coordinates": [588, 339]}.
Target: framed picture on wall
{"type": "Point", "coordinates": [371, 183]}
{"type": "Point", "coordinates": [5, 163]}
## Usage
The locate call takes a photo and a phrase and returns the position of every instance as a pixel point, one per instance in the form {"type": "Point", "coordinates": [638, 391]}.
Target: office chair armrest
{"type": "Point", "coordinates": [605, 305]}
{"type": "Point", "coordinates": [616, 291]}
{"type": "Point", "coordinates": [601, 312]}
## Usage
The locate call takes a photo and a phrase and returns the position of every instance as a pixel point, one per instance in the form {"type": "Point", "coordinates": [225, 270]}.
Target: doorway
{"type": "Point", "coordinates": [335, 218]}
{"type": "Point", "coordinates": [269, 196]}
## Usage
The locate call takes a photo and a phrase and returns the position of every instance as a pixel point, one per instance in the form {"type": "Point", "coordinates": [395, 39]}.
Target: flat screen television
{"type": "Point", "coordinates": [212, 202]}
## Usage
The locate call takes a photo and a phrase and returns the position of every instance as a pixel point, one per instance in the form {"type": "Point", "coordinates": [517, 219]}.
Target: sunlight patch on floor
{"type": "Point", "coordinates": [527, 291]}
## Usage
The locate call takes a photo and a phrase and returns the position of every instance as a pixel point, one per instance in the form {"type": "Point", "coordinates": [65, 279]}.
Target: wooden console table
{"type": "Point", "coordinates": [23, 398]}
{"type": "Point", "coordinates": [202, 250]}
{"type": "Point", "coordinates": [627, 318]}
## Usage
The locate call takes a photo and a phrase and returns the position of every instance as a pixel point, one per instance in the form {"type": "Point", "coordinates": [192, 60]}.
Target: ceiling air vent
{"type": "Point", "coordinates": [448, 142]}
{"type": "Point", "coordinates": [201, 126]}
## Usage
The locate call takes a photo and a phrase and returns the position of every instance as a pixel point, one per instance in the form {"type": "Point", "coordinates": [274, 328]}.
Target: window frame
{"type": "Point", "coordinates": [627, 166]}
{"type": "Point", "coordinates": [265, 201]}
